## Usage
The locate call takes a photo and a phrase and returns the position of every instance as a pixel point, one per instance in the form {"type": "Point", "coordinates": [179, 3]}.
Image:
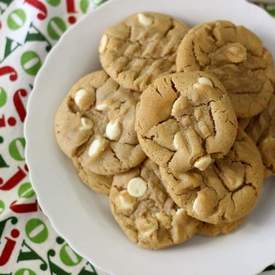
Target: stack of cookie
{"type": "Point", "coordinates": [177, 129]}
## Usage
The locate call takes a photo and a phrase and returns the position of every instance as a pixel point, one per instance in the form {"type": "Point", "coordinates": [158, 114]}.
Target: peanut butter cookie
{"type": "Point", "coordinates": [145, 212]}
{"type": "Point", "coordinates": [95, 125]}
{"type": "Point", "coordinates": [140, 48]}
{"type": "Point", "coordinates": [237, 57]}
{"type": "Point", "coordinates": [226, 191]}
{"type": "Point", "coordinates": [261, 129]}
{"type": "Point", "coordinates": [98, 183]}
{"type": "Point", "coordinates": [185, 120]}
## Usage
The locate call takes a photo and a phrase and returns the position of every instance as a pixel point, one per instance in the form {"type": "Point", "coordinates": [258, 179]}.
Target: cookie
{"type": "Point", "coordinates": [95, 124]}
{"type": "Point", "coordinates": [212, 230]}
{"type": "Point", "coordinates": [226, 191]}
{"type": "Point", "coordinates": [261, 129]}
{"type": "Point", "coordinates": [236, 56]}
{"type": "Point", "coordinates": [97, 183]}
{"type": "Point", "coordinates": [140, 48]}
{"type": "Point", "coordinates": [185, 120]}
{"type": "Point", "coordinates": [145, 212]}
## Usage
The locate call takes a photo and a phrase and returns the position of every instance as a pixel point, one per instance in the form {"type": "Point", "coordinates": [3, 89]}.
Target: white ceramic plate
{"type": "Point", "coordinates": [83, 217]}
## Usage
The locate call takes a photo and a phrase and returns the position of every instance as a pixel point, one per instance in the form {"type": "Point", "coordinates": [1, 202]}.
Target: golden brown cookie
{"type": "Point", "coordinates": [238, 59]}
{"type": "Point", "coordinates": [185, 120]}
{"type": "Point", "coordinates": [98, 183]}
{"type": "Point", "coordinates": [261, 129]}
{"type": "Point", "coordinates": [145, 212]}
{"type": "Point", "coordinates": [95, 125]}
{"type": "Point", "coordinates": [140, 48]}
{"type": "Point", "coordinates": [213, 230]}
{"type": "Point", "coordinates": [226, 191]}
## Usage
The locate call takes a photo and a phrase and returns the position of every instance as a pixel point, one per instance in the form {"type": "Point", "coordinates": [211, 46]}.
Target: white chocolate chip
{"type": "Point", "coordinates": [101, 107]}
{"type": "Point", "coordinates": [236, 53]}
{"type": "Point", "coordinates": [163, 219]}
{"type": "Point", "coordinates": [83, 99]}
{"type": "Point", "coordinates": [124, 202]}
{"type": "Point", "coordinates": [149, 232]}
{"type": "Point", "coordinates": [97, 147]}
{"type": "Point", "coordinates": [205, 81]}
{"type": "Point", "coordinates": [205, 203]}
{"type": "Point", "coordinates": [180, 211]}
{"type": "Point", "coordinates": [146, 226]}
{"type": "Point", "coordinates": [197, 86]}
{"type": "Point", "coordinates": [178, 141]}
{"type": "Point", "coordinates": [113, 130]}
{"type": "Point", "coordinates": [103, 43]}
{"type": "Point", "coordinates": [203, 162]}
{"type": "Point", "coordinates": [202, 81]}
{"type": "Point", "coordinates": [159, 215]}
{"type": "Point", "coordinates": [86, 124]}
{"type": "Point", "coordinates": [136, 187]}
{"type": "Point", "coordinates": [144, 20]}
{"type": "Point", "coordinates": [197, 207]}
{"type": "Point", "coordinates": [179, 106]}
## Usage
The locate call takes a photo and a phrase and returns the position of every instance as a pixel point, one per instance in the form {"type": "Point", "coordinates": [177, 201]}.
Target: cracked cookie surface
{"type": "Point", "coordinates": [226, 191]}
{"type": "Point", "coordinates": [95, 125]}
{"type": "Point", "coordinates": [236, 56]}
{"type": "Point", "coordinates": [261, 129]}
{"type": "Point", "coordinates": [145, 212]}
{"type": "Point", "coordinates": [141, 48]}
{"type": "Point", "coordinates": [185, 120]}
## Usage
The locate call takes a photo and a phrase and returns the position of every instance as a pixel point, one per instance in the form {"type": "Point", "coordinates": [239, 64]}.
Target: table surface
{"type": "Point", "coordinates": [28, 243]}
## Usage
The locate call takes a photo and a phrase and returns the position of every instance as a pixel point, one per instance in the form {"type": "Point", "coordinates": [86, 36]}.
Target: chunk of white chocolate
{"type": "Point", "coordinates": [125, 202]}
{"type": "Point", "coordinates": [197, 206]}
{"type": "Point", "coordinates": [203, 162]}
{"type": "Point", "coordinates": [179, 106]}
{"type": "Point", "coordinates": [97, 147]}
{"type": "Point", "coordinates": [205, 81]}
{"type": "Point", "coordinates": [146, 226]}
{"type": "Point", "coordinates": [178, 141]}
{"type": "Point", "coordinates": [180, 211]}
{"type": "Point", "coordinates": [144, 20]}
{"type": "Point", "coordinates": [83, 99]}
{"type": "Point", "coordinates": [205, 203]}
{"type": "Point", "coordinates": [236, 53]}
{"type": "Point", "coordinates": [201, 82]}
{"type": "Point", "coordinates": [86, 124]}
{"type": "Point", "coordinates": [136, 187]}
{"type": "Point", "coordinates": [113, 130]}
{"type": "Point", "coordinates": [146, 234]}
{"type": "Point", "coordinates": [103, 43]}
{"type": "Point", "coordinates": [101, 107]}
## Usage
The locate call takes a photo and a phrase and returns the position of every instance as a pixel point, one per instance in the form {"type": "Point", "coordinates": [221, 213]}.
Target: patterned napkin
{"type": "Point", "coordinates": [28, 31]}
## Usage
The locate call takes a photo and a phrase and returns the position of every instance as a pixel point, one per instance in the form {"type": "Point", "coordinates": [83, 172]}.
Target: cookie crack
{"type": "Point", "coordinates": [114, 154]}
{"type": "Point", "coordinates": [172, 26]}
{"type": "Point", "coordinates": [174, 88]}
{"type": "Point", "coordinates": [210, 112]}
{"type": "Point", "coordinates": [218, 173]}
{"type": "Point", "coordinates": [151, 138]}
